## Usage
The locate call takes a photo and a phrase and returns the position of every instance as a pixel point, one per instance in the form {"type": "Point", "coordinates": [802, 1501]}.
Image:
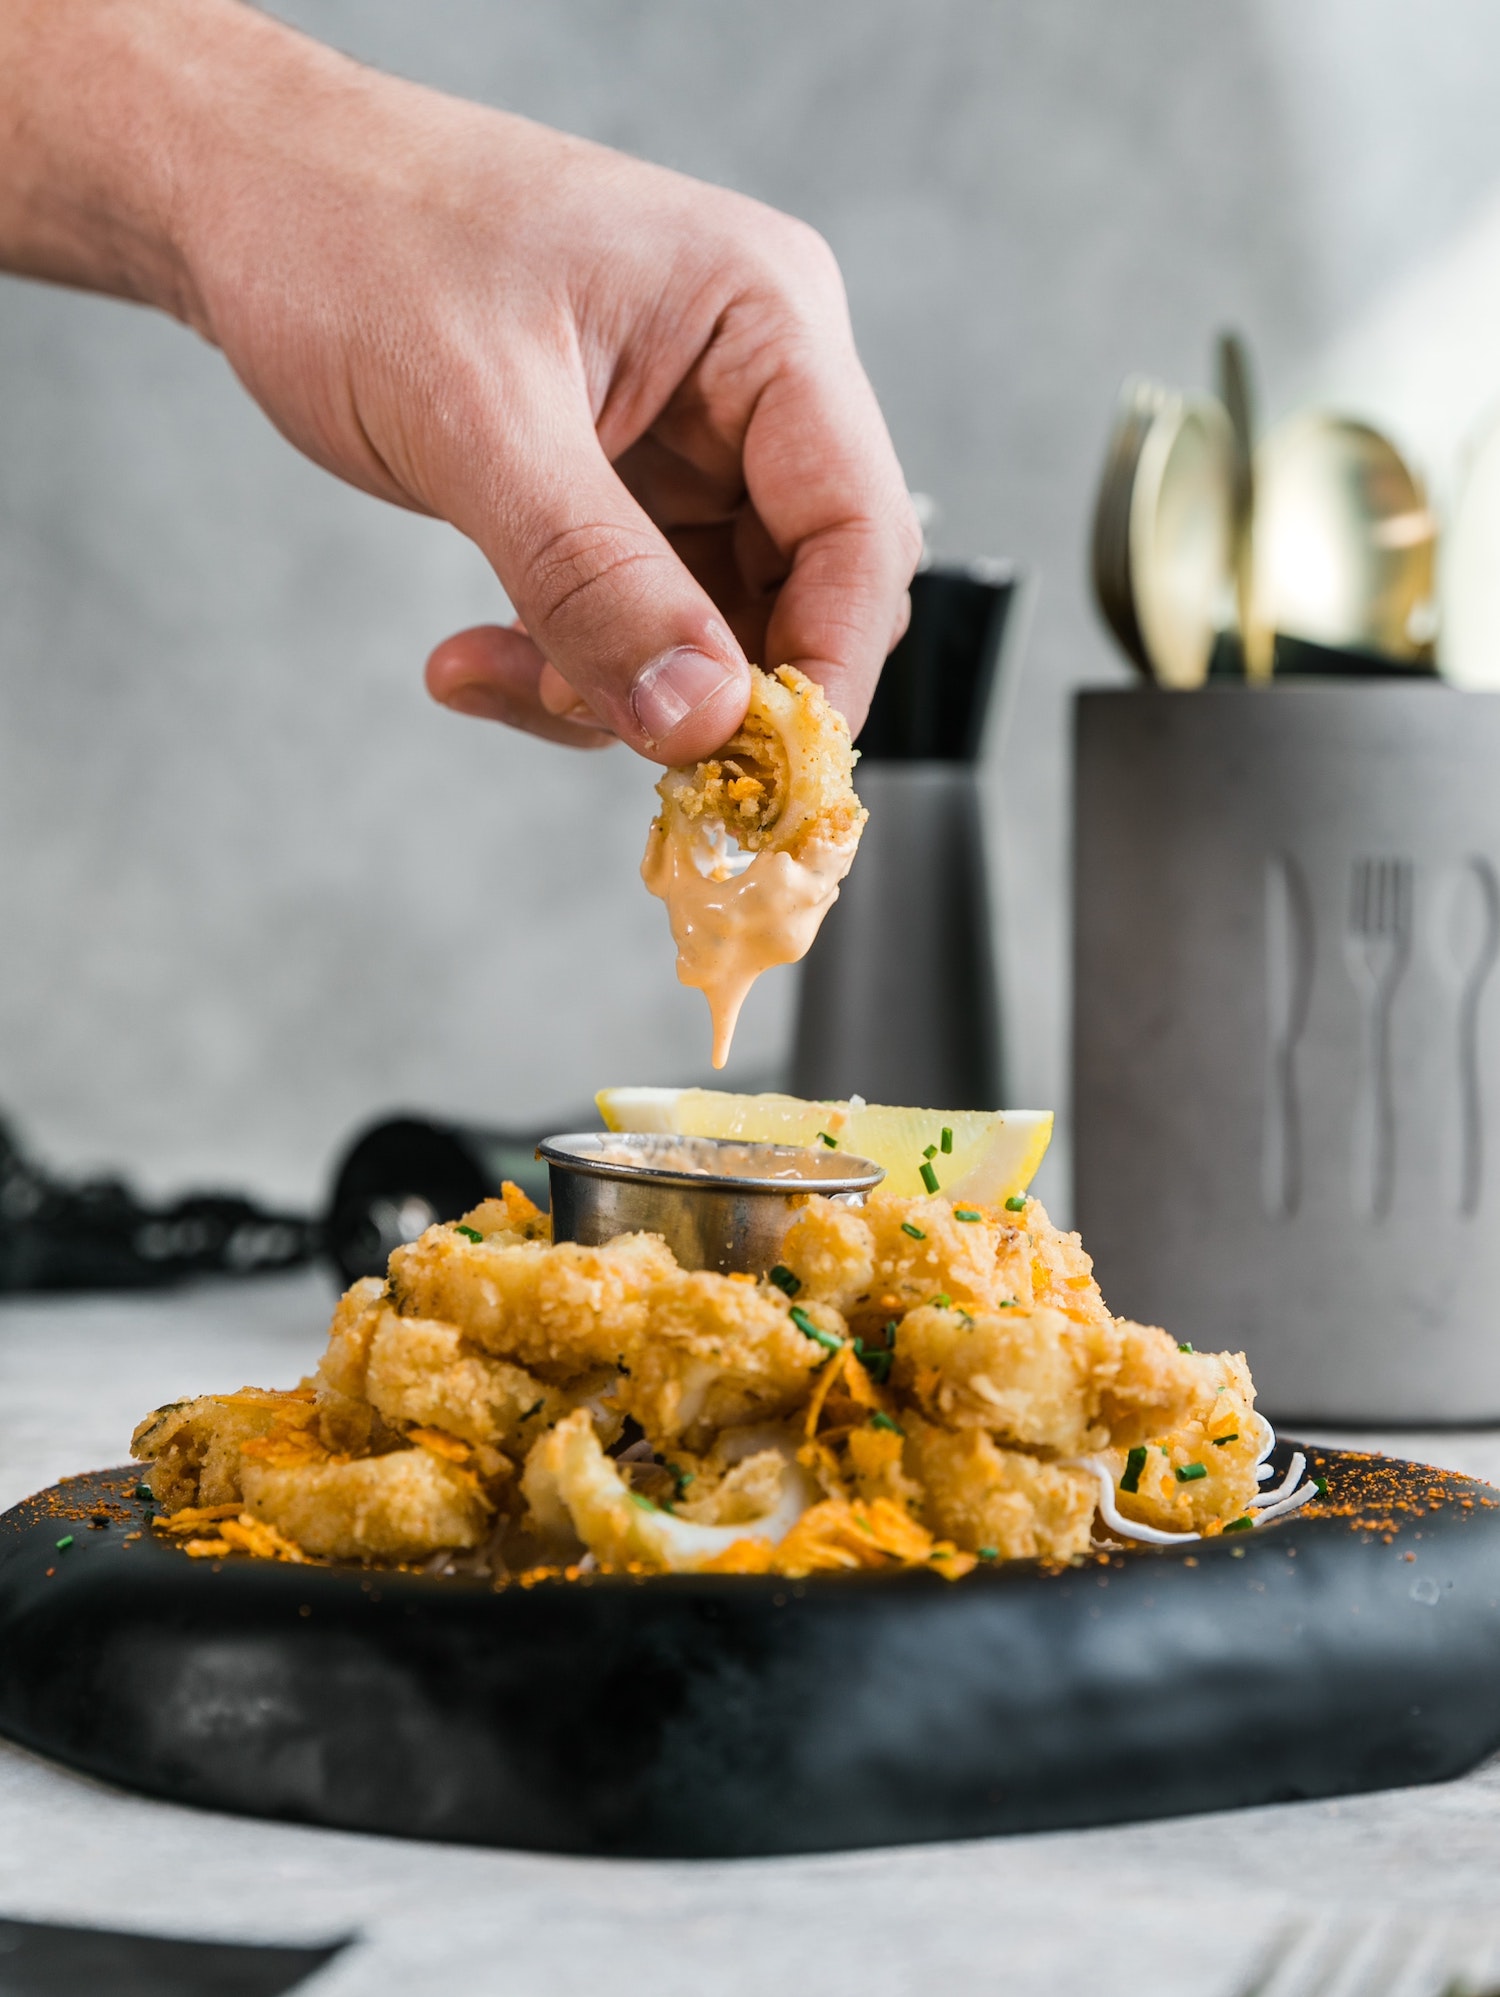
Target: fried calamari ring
{"type": "Point", "coordinates": [750, 845]}
{"type": "Point", "coordinates": [401, 1506]}
{"type": "Point", "coordinates": [784, 777]}
{"type": "Point", "coordinates": [571, 1483]}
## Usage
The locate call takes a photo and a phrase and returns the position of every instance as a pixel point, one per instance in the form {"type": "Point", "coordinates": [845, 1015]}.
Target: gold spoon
{"type": "Point", "coordinates": [1345, 542]}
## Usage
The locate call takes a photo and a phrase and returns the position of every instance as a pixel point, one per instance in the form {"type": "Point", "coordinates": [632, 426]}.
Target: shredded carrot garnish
{"type": "Point", "coordinates": [440, 1443]}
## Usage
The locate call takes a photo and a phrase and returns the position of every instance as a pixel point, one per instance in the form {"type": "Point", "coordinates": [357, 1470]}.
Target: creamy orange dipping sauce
{"type": "Point", "coordinates": [729, 927]}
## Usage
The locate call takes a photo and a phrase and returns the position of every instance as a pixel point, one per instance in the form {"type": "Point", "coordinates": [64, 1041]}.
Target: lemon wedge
{"type": "Point", "coordinates": [991, 1155]}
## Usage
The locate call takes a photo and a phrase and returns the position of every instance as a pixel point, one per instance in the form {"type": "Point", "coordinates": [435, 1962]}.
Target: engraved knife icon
{"type": "Point", "coordinates": [1289, 977]}
{"type": "Point", "coordinates": [1466, 944]}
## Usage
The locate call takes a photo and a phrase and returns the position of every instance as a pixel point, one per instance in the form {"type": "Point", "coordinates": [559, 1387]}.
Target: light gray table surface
{"type": "Point", "coordinates": [1187, 1906]}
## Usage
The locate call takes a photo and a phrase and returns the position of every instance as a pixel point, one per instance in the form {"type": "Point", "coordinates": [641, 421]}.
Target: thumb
{"type": "Point", "coordinates": [609, 604]}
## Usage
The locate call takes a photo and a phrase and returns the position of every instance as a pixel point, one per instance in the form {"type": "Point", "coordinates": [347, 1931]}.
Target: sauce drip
{"type": "Point", "coordinates": [729, 927]}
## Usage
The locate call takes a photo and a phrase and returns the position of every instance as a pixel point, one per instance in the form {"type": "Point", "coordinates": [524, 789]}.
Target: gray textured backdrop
{"type": "Point", "coordinates": [252, 886]}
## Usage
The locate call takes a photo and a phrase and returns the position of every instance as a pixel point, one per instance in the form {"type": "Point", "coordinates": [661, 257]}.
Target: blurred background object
{"type": "Point", "coordinates": [1314, 551]}
{"type": "Point", "coordinates": [255, 887]}
{"type": "Point", "coordinates": [404, 1172]}
{"type": "Point", "coordinates": [98, 1234]}
{"type": "Point", "coordinates": [897, 999]}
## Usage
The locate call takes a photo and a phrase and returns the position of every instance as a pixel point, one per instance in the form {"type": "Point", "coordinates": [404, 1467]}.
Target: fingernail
{"type": "Point", "coordinates": [666, 692]}
{"type": "Point", "coordinates": [476, 699]}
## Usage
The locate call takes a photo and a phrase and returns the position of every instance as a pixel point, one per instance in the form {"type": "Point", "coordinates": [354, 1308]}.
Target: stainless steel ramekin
{"type": "Point", "coordinates": [720, 1203]}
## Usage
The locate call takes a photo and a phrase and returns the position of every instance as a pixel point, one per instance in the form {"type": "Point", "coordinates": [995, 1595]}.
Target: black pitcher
{"type": "Point", "coordinates": [898, 996]}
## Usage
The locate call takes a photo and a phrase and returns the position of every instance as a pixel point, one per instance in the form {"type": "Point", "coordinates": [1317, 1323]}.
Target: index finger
{"type": "Point", "coordinates": [823, 475]}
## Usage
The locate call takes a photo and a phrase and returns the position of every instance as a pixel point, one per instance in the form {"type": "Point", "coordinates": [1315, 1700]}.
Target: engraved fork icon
{"type": "Point", "coordinates": [1377, 947]}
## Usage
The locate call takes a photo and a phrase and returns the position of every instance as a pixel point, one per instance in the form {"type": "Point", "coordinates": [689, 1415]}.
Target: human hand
{"type": "Point", "coordinates": [638, 395]}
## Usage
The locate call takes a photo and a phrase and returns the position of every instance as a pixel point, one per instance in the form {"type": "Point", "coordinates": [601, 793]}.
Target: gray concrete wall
{"type": "Point", "coordinates": [253, 886]}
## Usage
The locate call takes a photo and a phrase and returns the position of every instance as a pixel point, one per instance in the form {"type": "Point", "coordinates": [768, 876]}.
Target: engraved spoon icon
{"type": "Point", "coordinates": [1377, 948]}
{"type": "Point", "coordinates": [1466, 943]}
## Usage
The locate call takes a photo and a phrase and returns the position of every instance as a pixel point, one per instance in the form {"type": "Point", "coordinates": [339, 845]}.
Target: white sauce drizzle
{"type": "Point", "coordinates": [734, 917]}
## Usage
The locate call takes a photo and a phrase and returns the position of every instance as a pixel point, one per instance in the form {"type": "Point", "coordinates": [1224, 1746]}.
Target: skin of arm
{"type": "Point", "coordinates": [639, 395]}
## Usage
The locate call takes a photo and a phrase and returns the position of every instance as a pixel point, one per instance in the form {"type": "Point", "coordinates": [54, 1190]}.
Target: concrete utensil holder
{"type": "Point", "coordinates": [1286, 1075]}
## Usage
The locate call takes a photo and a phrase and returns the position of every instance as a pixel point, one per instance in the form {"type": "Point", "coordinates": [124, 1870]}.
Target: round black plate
{"type": "Point", "coordinates": [1351, 1647]}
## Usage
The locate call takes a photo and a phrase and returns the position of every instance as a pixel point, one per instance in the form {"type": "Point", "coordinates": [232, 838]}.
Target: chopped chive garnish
{"type": "Point", "coordinates": [783, 1278]}
{"type": "Point", "coordinates": [1016, 1203]}
{"type": "Point", "coordinates": [882, 1420]}
{"type": "Point", "coordinates": [1007, 1304]}
{"type": "Point", "coordinates": [892, 1326]}
{"type": "Point", "coordinates": [145, 1491]}
{"type": "Point", "coordinates": [967, 1213]}
{"type": "Point", "coordinates": [946, 1140]}
{"type": "Point", "coordinates": [1220, 1440]}
{"type": "Point", "coordinates": [65, 1542]}
{"type": "Point", "coordinates": [1135, 1463]}
{"type": "Point", "coordinates": [915, 1232]}
{"type": "Point", "coordinates": [930, 1152]}
{"type": "Point", "coordinates": [831, 1142]}
{"type": "Point", "coordinates": [1189, 1473]}
{"type": "Point", "coordinates": [683, 1477]}
{"type": "Point", "coordinates": [1246, 1524]}
{"type": "Point", "coordinates": [1184, 1348]}
{"type": "Point", "coordinates": [808, 1329]}
{"type": "Point", "coordinates": [644, 1503]}
{"type": "Point", "coordinates": [941, 1302]}
{"type": "Point", "coordinates": [535, 1408]}
{"type": "Point", "coordinates": [1320, 1485]}
{"type": "Point", "coordinates": [987, 1552]}
{"type": "Point", "coordinates": [929, 1178]}
{"type": "Point", "coordinates": [472, 1232]}
{"type": "Point", "coordinates": [875, 1359]}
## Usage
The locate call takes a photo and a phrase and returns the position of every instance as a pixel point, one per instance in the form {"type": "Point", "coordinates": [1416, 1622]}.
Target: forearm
{"type": "Point", "coordinates": [110, 112]}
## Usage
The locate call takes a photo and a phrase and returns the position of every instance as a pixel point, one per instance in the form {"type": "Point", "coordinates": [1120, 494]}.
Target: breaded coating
{"type": "Point", "coordinates": [720, 1352]}
{"type": "Point", "coordinates": [922, 1250]}
{"type": "Point", "coordinates": [193, 1447]}
{"type": "Point", "coordinates": [1046, 1378]}
{"type": "Point", "coordinates": [1032, 1378]}
{"type": "Point", "coordinates": [510, 1216]}
{"type": "Point", "coordinates": [349, 1427]}
{"type": "Point", "coordinates": [999, 1501]}
{"type": "Point", "coordinates": [1062, 1274]}
{"type": "Point", "coordinates": [347, 1423]}
{"type": "Point", "coordinates": [830, 1249]}
{"type": "Point", "coordinates": [558, 1311]}
{"type": "Point", "coordinates": [397, 1507]}
{"type": "Point", "coordinates": [421, 1370]}
{"type": "Point", "coordinates": [1222, 1439]}
{"type": "Point", "coordinates": [341, 1370]}
{"type": "Point", "coordinates": [1154, 1384]}
{"type": "Point", "coordinates": [782, 779]}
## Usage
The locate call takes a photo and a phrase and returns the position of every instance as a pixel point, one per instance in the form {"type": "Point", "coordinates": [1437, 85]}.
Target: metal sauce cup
{"type": "Point", "coordinates": [719, 1202]}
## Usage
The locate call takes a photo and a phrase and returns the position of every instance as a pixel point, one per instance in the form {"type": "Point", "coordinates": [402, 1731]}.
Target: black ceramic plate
{"type": "Point", "coordinates": [1351, 1647]}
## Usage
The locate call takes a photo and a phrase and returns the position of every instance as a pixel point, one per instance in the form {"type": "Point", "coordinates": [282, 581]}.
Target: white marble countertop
{"type": "Point", "coordinates": [1187, 1906]}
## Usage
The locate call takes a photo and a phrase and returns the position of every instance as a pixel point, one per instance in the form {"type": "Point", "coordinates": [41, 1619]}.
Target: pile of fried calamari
{"type": "Point", "coordinates": [917, 1383]}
